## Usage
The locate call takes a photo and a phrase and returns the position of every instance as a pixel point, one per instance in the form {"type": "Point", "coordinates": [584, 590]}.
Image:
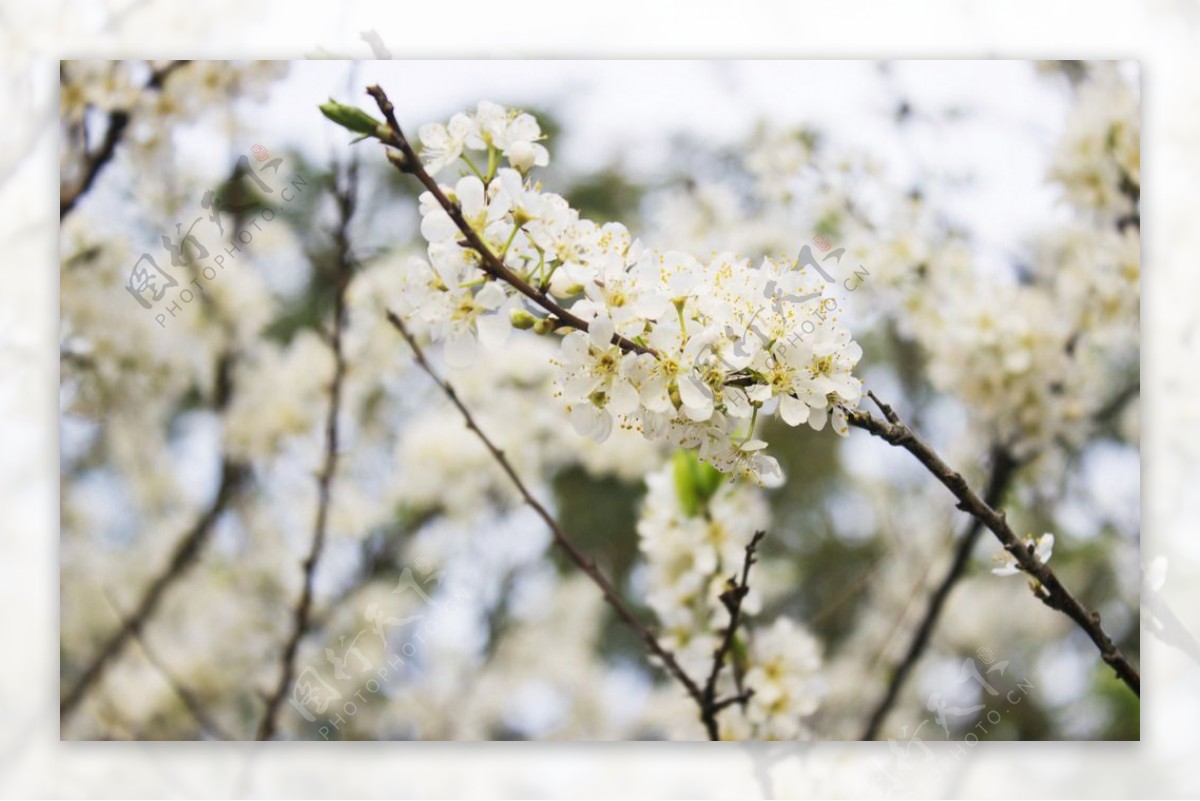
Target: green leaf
{"type": "Point", "coordinates": [695, 482]}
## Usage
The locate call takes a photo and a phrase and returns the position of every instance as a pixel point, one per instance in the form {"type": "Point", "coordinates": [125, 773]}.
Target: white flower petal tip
{"type": "Point", "coordinates": [1043, 549]}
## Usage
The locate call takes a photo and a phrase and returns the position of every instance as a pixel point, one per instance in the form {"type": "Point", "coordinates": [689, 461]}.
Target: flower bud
{"type": "Point", "coordinates": [521, 156]}
{"type": "Point", "coordinates": [522, 319]}
{"type": "Point", "coordinates": [351, 118]}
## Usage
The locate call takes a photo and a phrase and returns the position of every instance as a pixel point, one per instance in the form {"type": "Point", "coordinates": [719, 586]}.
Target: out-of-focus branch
{"type": "Point", "coordinates": [405, 159]}
{"type": "Point", "coordinates": [1047, 586]}
{"type": "Point", "coordinates": [732, 598]}
{"type": "Point", "coordinates": [1003, 467]}
{"type": "Point", "coordinates": [345, 194]}
{"type": "Point", "coordinates": [95, 161]}
{"type": "Point", "coordinates": [234, 474]}
{"type": "Point", "coordinates": [584, 563]}
{"type": "Point", "coordinates": [190, 701]}
{"type": "Point", "coordinates": [189, 548]}
{"type": "Point", "coordinates": [1132, 192]}
{"type": "Point", "coordinates": [1117, 403]}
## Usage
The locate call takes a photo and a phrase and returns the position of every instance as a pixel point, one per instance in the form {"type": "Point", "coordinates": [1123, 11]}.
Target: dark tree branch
{"type": "Point", "coordinates": [233, 475]}
{"type": "Point", "coordinates": [95, 161]}
{"type": "Point", "coordinates": [190, 700]}
{"type": "Point", "coordinates": [405, 159]}
{"type": "Point", "coordinates": [1003, 467]}
{"type": "Point", "coordinates": [732, 598]}
{"type": "Point", "coordinates": [1132, 192]}
{"type": "Point", "coordinates": [584, 563]}
{"type": "Point", "coordinates": [300, 616]}
{"type": "Point", "coordinates": [1047, 586]}
{"type": "Point", "coordinates": [184, 555]}
{"type": "Point", "coordinates": [1115, 405]}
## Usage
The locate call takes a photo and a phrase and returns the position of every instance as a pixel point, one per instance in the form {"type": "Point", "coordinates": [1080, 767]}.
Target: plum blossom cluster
{"type": "Point", "coordinates": [491, 129]}
{"type": "Point", "coordinates": [680, 349]}
{"type": "Point", "coordinates": [693, 532]}
{"type": "Point", "coordinates": [1028, 349]}
{"type": "Point", "coordinates": [1098, 162]}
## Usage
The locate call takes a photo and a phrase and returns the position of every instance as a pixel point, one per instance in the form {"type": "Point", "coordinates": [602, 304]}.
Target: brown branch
{"type": "Point", "coordinates": [1047, 586]}
{"type": "Point", "coordinates": [732, 598]}
{"type": "Point", "coordinates": [95, 161]}
{"type": "Point", "coordinates": [185, 553]}
{"type": "Point", "coordinates": [584, 563]}
{"type": "Point", "coordinates": [1117, 403]}
{"type": "Point", "coordinates": [405, 159]}
{"type": "Point", "coordinates": [303, 609]}
{"type": "Point", "coordinates": [233, 475]}
{"type": "Point", "coordinates": [190, 701]}
{"type": "Point", "coordinates": [1132, 192]}
{"type": "Point", "coordinates": [1003, 467]}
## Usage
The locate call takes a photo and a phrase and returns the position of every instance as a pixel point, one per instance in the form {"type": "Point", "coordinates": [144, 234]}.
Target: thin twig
{"type": "Point", "coordinates": [117, 123]}
{"type": "Point", "coordinates": [732, 598]}
{"type": "Point", "coordinates": [303, 609]}
{"type": "Point", "coordinates": [405, 159]}
{"type": "Point", "coordinates": [190, 701]}
{"type": "Point", "coordinates": [584, 563]}
{"type": "Point", "coordinates": [1003, 467]}
{"type": "Point", "coordinates": [233, 474]}
{"type": "Point", "coordinates": [1133, 192]}
{"type": "Point", "coordinates": [1118, 402]}
{"type": "Point", "coordinates": [1047, 586]}
{"type": "Point", "coordinates": [185, 553]}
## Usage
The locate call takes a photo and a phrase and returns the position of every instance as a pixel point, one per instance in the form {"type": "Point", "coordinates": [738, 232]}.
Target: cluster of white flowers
{"type": "Point", "coordinates": [491, 129]}
{"type": "Point", "coordinates": [1099, 158]}
{"type": "Point", "coordinates": [1034, 354]}
{"type": "Point", "coordinates": [693, 532]}
{"type": "Point", "coordinates": [1029, 351]}
{"type": "Point", "coordinates": [784, 660]}
{"type": "Point", "coordinates": [708, 345]}
{"type": "Point", "coordinates": [691, 552]}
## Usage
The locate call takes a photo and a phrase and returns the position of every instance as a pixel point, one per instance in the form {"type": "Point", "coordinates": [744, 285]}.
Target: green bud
{"type": "Point", "coordinates": [351, 118]}
{"type": "Point", "coordinates": [522, 319]}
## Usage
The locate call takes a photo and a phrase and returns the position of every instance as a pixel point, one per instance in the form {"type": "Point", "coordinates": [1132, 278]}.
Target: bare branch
{"type": "Point", "coordinates": [1003, 467]}
{"type": "Point", "coordinates": [234, 474]}
{"type": "Point", "coordinates": [1047, 586]}
{"type": "Point", "coordinates": [303, 609]}
{"type": "Point", "coordinates": [584, 563]}
{"type": "Point", "coordinates": [95, 161]}
{"type": "Point", "coordinates": [184, 555]}
{"type": "Point", "coordinates": [190, 701]}
{"type": "Point", "coordinates": [732, 598]}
